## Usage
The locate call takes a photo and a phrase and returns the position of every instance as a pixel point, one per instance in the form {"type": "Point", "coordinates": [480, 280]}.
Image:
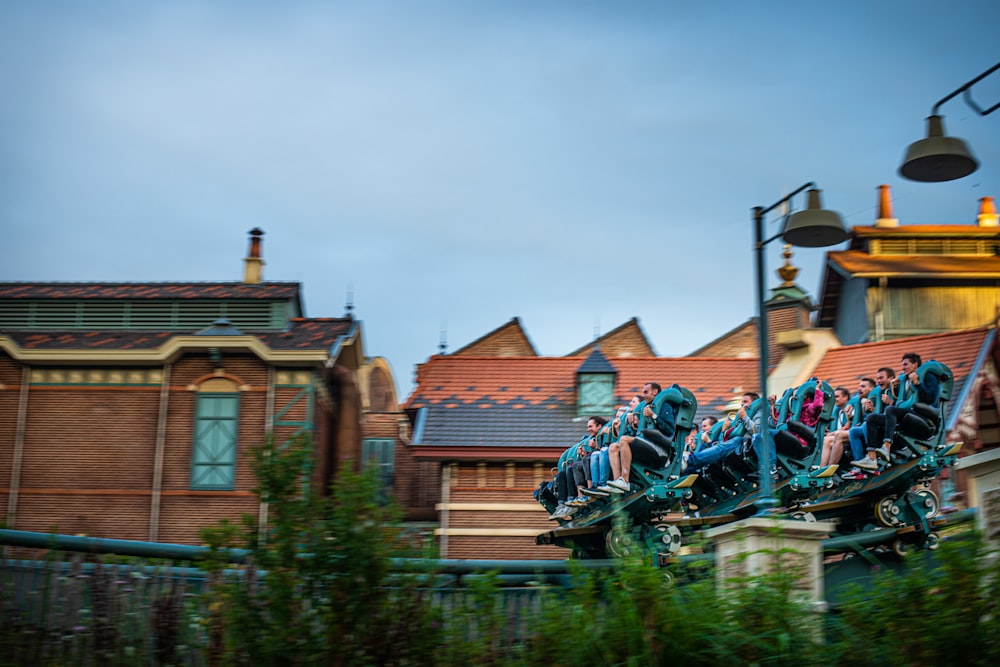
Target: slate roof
{"type": "Point", "coordinates": [531, 401]}
{"type": "Point", "coordinates": [206, 290]}
{"type": "Point", "coordinates": [596, 362]}
{"type": "Point", "coordinates": [959, 350]}
{"type": "Point", "coordinates": [301, 334]}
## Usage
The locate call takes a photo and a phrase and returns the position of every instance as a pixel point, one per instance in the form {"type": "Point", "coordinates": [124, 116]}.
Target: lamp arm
{"type": "Point", "coordinates": [787, 197]}
{"type": "Point", "coordinates": [968, 98]}
{"type": "Point", "coordinates": [972, 103]}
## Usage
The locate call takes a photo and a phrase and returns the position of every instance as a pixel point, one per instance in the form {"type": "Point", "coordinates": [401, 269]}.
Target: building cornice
{"type": "Point", "coordinates": [169, 351]}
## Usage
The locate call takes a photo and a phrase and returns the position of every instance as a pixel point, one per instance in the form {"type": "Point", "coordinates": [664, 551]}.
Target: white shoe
{"type": "Point", "coordinates": [620, 483]}
{"type": "Point", "coordinates": [865, 464]}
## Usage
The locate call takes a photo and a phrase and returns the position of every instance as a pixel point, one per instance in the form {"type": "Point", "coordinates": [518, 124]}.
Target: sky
{"type": "Point", "coordinates": [453, 164]}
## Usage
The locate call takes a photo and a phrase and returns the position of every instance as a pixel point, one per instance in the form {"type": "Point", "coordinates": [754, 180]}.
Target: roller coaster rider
{"type": "Point", "coordinates": [882, 428]}
{"type": "Point", "coordinates": [651, 446]}
{"type": "Point", "coordinates": [738, 426]}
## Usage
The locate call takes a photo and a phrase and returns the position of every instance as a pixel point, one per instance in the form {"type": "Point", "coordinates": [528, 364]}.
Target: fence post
{"type": "Point", "coordinates": [764, 545]}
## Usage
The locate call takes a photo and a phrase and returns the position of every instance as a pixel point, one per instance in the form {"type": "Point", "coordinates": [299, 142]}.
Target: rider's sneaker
{"type": "Point", "coordinates": [620, 483]}
{"type": "Point", "coordinates": [865, 463]}
{"type": "Point", "coordinates": [882, 453]}
{"type": "Point", "coordinates": [853, 473]}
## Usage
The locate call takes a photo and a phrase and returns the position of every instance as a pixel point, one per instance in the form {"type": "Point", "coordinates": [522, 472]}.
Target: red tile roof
{"type": "Point", "coordinates": [958, 350]}
{"type": "Point", "coordinates": [532, 400]}
{"type": "Point", "coordinates": [207, 290]}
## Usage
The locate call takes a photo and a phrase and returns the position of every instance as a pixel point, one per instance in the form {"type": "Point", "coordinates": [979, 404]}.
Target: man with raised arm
{"type": "Point", "coordinates": [650, 446]}
{"type": "Point", "coordinates": [882, 428]}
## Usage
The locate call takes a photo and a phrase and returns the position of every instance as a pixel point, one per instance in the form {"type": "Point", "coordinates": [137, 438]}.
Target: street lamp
{"type": "Point", "coordinates": [810, 228]}
{"type": "Point", "coordinates": [939, 158]}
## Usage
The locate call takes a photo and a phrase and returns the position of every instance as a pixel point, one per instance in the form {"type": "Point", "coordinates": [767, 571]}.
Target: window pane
{"type": "Point", "coordinates": [214, 454]}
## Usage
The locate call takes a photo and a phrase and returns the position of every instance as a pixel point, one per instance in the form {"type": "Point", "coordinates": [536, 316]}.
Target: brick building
{"type": "Point", "coordinates": [129, 410]}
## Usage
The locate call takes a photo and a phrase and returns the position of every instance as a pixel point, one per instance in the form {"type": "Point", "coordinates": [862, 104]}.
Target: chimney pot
{"type": "Point", "coordinates": [885, 218]}
{"type": "Point", "coordinates": [253, 265]}
{"type": "Point", "coordinates": [988, 213]}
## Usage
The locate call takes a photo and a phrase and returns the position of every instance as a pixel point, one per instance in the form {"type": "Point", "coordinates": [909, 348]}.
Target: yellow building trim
{"type": "Point", "coordinates": [489, 507]}
{"type": "Point", "coordinates": [488, 532]}
{"type": "Point", "coordinates": [169, 351]}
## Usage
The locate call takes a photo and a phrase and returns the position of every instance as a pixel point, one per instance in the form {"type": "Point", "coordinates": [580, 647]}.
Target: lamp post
{"type": "Point", "coordinates": [810, 228]}
{"type": "Point", "coordinates": [938, 157]}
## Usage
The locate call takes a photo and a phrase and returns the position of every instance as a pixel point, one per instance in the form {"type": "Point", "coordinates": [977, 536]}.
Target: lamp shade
{"type": "Point", "coordinates": [814, 227]}
{"type": "Point", "coordinates": [937, 158]}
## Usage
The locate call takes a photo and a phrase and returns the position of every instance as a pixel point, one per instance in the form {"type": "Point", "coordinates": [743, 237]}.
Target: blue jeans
{"type": "Point", "coordinates": [600, 467]}
{"type": "Point", "coordinates": [856, 434]}
{"type": "Point", "coordinates": [755, 443]}
{"type": "Point", "coordinates": [709, 455]}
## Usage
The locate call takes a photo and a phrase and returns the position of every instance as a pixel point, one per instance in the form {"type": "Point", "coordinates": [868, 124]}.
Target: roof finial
{"type": "Point", "coordinates": [443, 341]}
{"type": "Point", "coordinates": [885, 218]}
{"type": "Point", "coordinates": [787, 271]}
{"type": "Point", "coordinates": [349, 306]}
{"type": "Point", "coordinates": [988, 213]}
{"type": "Point", "coordinates": [253, 265]}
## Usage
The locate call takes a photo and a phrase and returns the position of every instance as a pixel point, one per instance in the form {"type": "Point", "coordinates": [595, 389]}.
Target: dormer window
{"type": "Point", "coordinates": [595, 386]}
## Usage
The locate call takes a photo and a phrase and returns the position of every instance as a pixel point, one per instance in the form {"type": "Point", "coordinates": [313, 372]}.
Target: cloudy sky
{"type": "Point", "coordinates": [457, 163]}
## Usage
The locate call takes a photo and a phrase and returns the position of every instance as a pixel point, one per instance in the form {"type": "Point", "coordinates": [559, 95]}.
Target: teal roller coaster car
{"type": "Point", "coordinates": [665, 509]}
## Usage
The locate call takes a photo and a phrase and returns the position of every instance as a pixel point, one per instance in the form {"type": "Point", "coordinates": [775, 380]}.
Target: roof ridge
{"type": "Point", "coordinates": [940, 334]}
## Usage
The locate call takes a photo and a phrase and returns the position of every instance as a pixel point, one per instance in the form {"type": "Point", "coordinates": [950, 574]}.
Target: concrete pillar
{"type": "Point", "coordinates": [763, 545]}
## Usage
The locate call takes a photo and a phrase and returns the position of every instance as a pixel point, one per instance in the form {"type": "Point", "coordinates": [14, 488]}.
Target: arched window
{"type": "Point", "coordinates": [379, 392]}
{"type": "Point", "coordinates": [213, 458]}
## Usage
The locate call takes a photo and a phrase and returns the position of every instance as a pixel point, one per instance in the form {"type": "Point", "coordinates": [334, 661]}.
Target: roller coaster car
{"type": "Point", "coordinates": [658, 513]}
{"type": "Point", "coordinates": [899, 496]}
{"type": "Point", "coordinates": [655, 489]}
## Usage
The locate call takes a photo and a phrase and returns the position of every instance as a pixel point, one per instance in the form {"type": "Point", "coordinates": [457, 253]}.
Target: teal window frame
{"type": "Point", "coordinates": [216, 431]}
{"type": "Point", "coordinates": [380, 452]}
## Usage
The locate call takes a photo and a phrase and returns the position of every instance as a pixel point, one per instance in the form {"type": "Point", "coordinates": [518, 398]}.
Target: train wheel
{"type": "Point", "coordinates": [901, 548]}
{"type": "Point", "coordinates": [886, 512]}
{"type": "Point", "coordinates": [933, 541]}
{"type": "Point", "coordinates": [670, 536]}
{"type": "Point", "coordinates": [621, 543]}
{"type": "Point", "coordinates": [928, 503]}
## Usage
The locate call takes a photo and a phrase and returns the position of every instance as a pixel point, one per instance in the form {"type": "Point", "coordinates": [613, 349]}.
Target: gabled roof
{"type": "Point", "coordinates": [625, 340]}
{"type": "Point", "coordinates": [517, 402]}
{"type": "Point", "coordinates": [507, 340]}
{"type": "Point", "coordinates": [738, 341]}
{"type": "Point", "coordinates": [959, 350]}
{"type": "Point", "coordinates": [284, 291]}
{"type": "Point", "coordinates": [596, 362]}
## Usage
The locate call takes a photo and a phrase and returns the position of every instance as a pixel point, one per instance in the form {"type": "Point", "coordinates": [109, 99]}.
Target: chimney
{"type": "Point", "coordinates": [253, 265]}
{"type": "Point", "coordinates": [885, 218]}
{"type": "Point", "coordinates": [988, 213]}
